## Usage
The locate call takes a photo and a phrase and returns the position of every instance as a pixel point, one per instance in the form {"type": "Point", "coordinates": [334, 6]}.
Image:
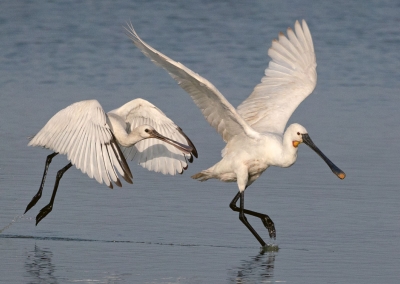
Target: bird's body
{"type": "Point", "coordinates": [254, 131]}
{"type": "Point", "coordinates": [244, 156]}
{"type": "Point", "coordinates": [99, 143]}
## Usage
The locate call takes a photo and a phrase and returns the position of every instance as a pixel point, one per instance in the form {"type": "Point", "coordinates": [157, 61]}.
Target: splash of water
{"type": "Point", "coordinates": [270, 247]}
{"type": "Point", "coordinates": [18, 217]}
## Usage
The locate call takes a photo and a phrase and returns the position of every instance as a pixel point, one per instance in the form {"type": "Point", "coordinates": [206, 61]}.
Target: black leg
{"type": "Point", "coordinates": [39, 193]}
{"type": "Point", "coordinates": [47, 209]}
{"type": "Point", "coordinates": [264, 218]}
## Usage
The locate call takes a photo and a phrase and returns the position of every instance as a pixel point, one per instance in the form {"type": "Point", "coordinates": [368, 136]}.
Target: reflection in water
{"type": "Point", "coordinates": [39, 267]}
{"type": "Point", "coordinates": [258, 269]}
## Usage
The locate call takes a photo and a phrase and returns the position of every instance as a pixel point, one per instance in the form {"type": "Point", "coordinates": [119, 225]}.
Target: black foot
{"type": "Point", "coordinates": [34, 200]}
{"type": "Point", "coordinates": [43, 213]}
{"type": "Point", "coordinates": [270, 226]}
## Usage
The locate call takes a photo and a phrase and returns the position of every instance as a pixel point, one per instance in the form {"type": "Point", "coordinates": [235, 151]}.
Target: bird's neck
{"type": "Point", "coordinates": [118, 127]}
{"type": "Point", "coordinates": [289, 152]}
{"type": "Point", "coordinates": [128, 140]}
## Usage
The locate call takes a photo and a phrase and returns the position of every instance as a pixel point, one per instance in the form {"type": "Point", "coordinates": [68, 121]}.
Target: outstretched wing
{"type": "Point", "coordinates": [219, 113]}
{"type": "Point", "coordinates": [153, 154]}
{"type": "Point", "coordinates": [80, 131]}
{"type": "Point", "coordinates": [290, 77]}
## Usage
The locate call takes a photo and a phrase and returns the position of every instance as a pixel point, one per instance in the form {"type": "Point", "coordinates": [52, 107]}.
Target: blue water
{"type": "Point", "coordinates": [165, 229]}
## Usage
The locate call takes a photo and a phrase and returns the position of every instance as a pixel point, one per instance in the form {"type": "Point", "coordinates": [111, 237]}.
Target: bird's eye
{"type": "Point", "coordinates": [298, 133]}
{"type": "Point", "coordinates": [146, 130]}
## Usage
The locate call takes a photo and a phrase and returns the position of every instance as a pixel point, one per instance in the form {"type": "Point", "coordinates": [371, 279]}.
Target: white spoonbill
{"type": "Point", "coordinates": [98, 143]}
{"type": "Point", "coordinates": [254, 132]}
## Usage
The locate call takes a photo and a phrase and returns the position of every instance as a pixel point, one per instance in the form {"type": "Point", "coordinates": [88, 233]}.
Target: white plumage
{"type": "Point", "coordinates": [290, 77]}
{"type": "Point", "coordinates": [153, 154]}
{"type": "Point", "coordinates": [81, 132]}
{"type": "Point", "coordinates": [85, 133]}
{"type": "Point", "coordinates": [92, 141]}
{"type": "Point", "coordinates": [254, 132]}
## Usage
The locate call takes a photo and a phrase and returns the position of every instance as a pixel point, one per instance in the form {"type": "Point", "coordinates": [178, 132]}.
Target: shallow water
{"type": "Point", "coordinates": [166, 229]}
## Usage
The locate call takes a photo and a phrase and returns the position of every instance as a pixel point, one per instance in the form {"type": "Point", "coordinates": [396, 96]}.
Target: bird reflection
{"type": "Point", "coordinates": [39, 266]}
{"type": "Point", "coordinates": [255, 270]}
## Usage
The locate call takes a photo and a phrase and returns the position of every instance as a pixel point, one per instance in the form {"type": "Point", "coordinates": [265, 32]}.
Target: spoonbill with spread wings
{"type": "Point", "coordinates": [254, 132]}
{"type": "Point", "coordinates": [98, 143]}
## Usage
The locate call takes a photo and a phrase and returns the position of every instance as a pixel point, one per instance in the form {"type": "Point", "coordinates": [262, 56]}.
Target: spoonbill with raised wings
{"type": "Point", "coordinates": [254, 132]}
{"type": "Point", "coordinates": [98, 143]}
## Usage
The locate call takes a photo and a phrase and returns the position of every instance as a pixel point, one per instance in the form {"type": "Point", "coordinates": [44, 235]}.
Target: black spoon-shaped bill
{"type": "Point", "coordinates": [184, 148]}
{"type": "Point", "coordinates": [307, 140]}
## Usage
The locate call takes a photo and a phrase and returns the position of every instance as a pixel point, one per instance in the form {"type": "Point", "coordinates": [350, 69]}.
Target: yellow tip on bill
{"type": "Point", "coordinates": [342, 175]}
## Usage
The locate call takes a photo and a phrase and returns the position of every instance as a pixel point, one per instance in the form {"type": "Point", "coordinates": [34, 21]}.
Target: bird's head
{"type": "Point", "coordinates": [147, 131]}
{"type": "Point", "coordinates": [298, 134]}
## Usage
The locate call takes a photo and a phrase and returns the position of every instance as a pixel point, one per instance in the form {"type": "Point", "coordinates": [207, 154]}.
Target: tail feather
{"type": "Point", "coordinates": [201, 176]}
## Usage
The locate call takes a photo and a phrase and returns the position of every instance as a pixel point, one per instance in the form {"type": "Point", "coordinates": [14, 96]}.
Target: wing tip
{"type": "Point", "coordinates": [127, 179]}
{"type": "Point", "coordinates": [118, 182]}
{"type": "Point", "coordinates": [131, 33]}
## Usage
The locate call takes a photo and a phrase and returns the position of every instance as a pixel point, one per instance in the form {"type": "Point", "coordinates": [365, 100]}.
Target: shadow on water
{"type": "Point", "coordinates": [257, 269]}
{"type": "Point", "coordinates": [39, 267]}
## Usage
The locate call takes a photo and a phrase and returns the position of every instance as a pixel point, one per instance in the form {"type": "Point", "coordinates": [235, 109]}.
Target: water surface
{"type": "Point", "coordinates": [166, 229]}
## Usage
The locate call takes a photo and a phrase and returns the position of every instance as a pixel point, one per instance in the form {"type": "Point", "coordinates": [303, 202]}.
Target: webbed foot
{"type": "Point", "coordinates": [34, 200]}
{"type": "Point", "coordinates": [270, 226]}
{"type": "Point", "coordinates": [43, 212]}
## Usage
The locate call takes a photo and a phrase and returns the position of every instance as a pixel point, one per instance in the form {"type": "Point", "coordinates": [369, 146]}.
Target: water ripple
{"type": "Point", "coordinates": [270, 247]}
